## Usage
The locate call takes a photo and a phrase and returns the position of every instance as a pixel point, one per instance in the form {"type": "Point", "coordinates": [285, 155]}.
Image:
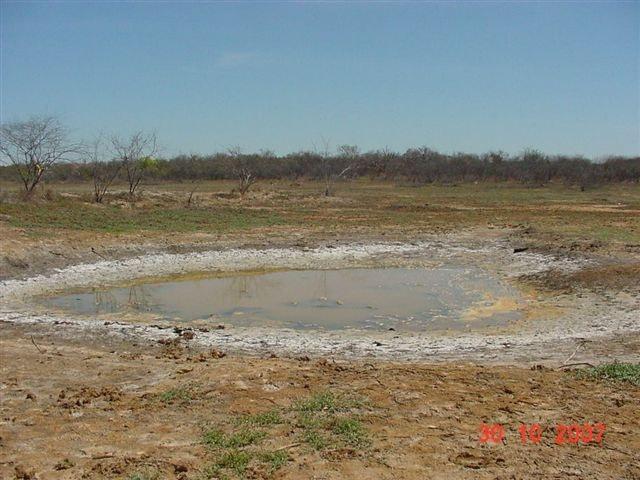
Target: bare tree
{"type": "Point", "coordinates": [136, 154]}
{"type": "Point", "coordinates": [34, 146]}
{"type": "Point", "coordinates": [241, 169]}
{"type": "Point", "coordinates": [351, 152]}
{"type": "Point", "coordinates": [330, 169]}
{"type": "Point", "coordinates": [103, 171]}
{"type": "Point", "coordinates": [351, 155]}
{"type": "Point", "coordinates": [192, 175]}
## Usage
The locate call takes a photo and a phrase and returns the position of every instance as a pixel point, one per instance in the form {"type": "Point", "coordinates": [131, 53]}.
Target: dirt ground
{"type": "Point", "coordinates": [103, 407]}
{"type": "Point", "coordinates": [94, 412]}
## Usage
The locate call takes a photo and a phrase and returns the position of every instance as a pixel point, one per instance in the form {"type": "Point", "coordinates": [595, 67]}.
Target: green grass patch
{"type": "Point", "coordinates": [315, 439]}
{"type": "Point", "coordinates": [351, 431]}
{"type": "Point", "coordinates": [216, 438]}
{"type": "Point", "coordinates": [147, 474]}
{"type": "Point", "coordinates": [275, 460]}
{"type": "Point", "coordinates": [264, 419]}
{"type": "Point", "coordinates": [622, 372]}
{"type": "Point", "coordinates": [327, 421]}
{"type": "Point", "coordinates": [176, 395]}
{"type": "Point", "coordinates": [235, 460]}
{"type": "Point", "coordinates": [320, 402]}
{"type": "Point", "coordinates": [244, 438]}
{"type": "Point", "coordinates": [322, 422]}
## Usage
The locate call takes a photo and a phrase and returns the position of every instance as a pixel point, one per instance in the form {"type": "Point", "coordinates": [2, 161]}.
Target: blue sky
{"type": "Point", "coordinates": [560, 77]}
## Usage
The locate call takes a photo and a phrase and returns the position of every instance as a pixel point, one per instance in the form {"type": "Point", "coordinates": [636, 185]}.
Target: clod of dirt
{"type": "Point", "coordinates": [63, 464]}
{"type": "Point", "coordinates": [188, 335]}
{"type": "Point", "coordinates": [216, 353]}
{"type": "Point", "coordinates": [22, 474]}
{"type": "Point", "coordinates": [171, 348]}
{"type": "Point", "coordinates": [179, 468]}
{"type": "Point", "coordinates": [86, 394]}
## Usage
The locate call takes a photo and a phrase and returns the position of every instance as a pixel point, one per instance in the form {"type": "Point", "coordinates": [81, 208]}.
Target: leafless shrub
{"type": "Point", "coordinates": [103, 171]}
{"type": "Point", "coordinates": [241, 170]}
{"type": "Point", "coordinates": [137, 156]}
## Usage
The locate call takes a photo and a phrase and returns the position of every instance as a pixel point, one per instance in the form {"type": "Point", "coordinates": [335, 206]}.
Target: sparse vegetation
{"type": "Point", "coordinates": [176, 395]}
{"type": "Point", "coordinates": [242, 438]}
{"type": "Point", "coordinates": [146, 474]}
{"type": "Point", "coordinates": [235, 460]}
{"type": "Point", "coordinates": [275, 460]}
{"type": "Point", "coordinates": [621, 372]}
{"type": "Point", "coordinates": [323, 401]}
{"type": "Point", "coordinates": [598, 216]}
{"type": "Point", "coordinates": [322, 422]}
{"type": "Point", "coordinates": [326, 421]}
{"type": "Point", "coordinates": [351, 431]}
{"type": "Point", "coordinates": [271, 417]}
{"type": "Point", "coordinates": [314, 439]}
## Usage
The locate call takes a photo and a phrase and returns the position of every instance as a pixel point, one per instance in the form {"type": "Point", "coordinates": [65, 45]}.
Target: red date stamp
{"type": "Point", "coordinates": [533, 434]}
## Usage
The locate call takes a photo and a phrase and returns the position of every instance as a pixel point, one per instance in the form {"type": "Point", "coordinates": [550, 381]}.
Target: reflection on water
{"type": "Point", "coordinates": [402, 299]}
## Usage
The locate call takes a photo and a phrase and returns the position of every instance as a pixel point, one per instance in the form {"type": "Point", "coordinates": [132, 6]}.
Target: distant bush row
{"type": "Point", "coordinates": [415, 166]}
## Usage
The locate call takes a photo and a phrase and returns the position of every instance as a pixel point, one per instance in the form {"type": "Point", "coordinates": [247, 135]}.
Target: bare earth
{"type": "Point", "coordinates": [109, 402]}
{"type": "Point", "coordinates": [100, 409]}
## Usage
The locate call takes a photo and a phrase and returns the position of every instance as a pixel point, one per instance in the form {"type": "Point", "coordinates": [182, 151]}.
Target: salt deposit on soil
{"type": "Point", "coordinates": [589, 316]}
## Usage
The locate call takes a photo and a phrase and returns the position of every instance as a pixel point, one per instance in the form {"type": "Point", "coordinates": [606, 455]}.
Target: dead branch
{"type": "Point", "coordinates": [36, 345]}
{"type": "Point", "coordinates": [576, 364]}
{"type": "Point", "coordinates": [287, 447]}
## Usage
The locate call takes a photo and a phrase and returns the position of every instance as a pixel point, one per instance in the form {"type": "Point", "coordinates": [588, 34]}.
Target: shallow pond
{"type": "Point", "coordinates": [372, 299]}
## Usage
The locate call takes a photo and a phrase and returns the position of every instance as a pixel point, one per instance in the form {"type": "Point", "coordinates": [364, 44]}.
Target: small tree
{"type": "Point", "coordinates": [136, 155]}
{"type": "Point", "coordinates": [34, 146]}
{"type": "Point", "coordinates": [242, 170]}
{"type": "Point", "coordinates": [103, 171]}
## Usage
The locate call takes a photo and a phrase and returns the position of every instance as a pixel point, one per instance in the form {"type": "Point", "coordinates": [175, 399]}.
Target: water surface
{"type": "Point", "coordinates": [372, 299]}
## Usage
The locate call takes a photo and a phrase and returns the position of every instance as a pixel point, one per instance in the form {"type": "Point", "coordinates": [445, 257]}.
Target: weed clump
{"type": "Point", "coordinates": [622, 372]}
{"type": "Point", "coordinates": [176, 395]}
{"type": "Point", "coordinates": [324, 422]}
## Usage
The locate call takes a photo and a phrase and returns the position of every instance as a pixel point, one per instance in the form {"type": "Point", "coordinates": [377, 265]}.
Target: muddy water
{"type": "Point", "coordinates": [373, 299]}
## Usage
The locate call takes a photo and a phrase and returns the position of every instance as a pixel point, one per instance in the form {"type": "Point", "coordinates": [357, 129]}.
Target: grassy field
{"type": "Point", "coordinates": [609, 214]}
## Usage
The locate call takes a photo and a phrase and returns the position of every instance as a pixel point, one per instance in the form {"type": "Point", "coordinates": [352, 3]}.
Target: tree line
{"type": "Point", "coordinates": [39, 147]}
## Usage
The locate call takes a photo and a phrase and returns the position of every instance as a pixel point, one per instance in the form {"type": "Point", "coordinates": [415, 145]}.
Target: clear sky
{"type": "Point", "coordinates": [560, 77]}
